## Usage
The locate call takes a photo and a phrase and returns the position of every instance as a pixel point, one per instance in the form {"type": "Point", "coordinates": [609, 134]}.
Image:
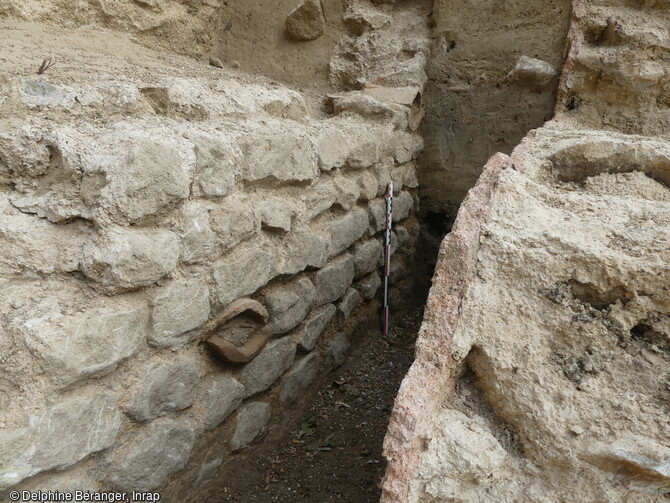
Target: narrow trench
{"type": "Point", "coordinates": [333, 451]}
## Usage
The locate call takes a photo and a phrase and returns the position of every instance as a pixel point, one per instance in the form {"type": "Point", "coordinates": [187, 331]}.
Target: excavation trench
{"type": "Point", "coordinates": [332, 451]}
{"type": "Point", "coordinates": [329, 447]}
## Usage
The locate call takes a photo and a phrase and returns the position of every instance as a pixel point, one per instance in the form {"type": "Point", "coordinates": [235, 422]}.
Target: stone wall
{"type": "Point", "coordinates": [185, 251]}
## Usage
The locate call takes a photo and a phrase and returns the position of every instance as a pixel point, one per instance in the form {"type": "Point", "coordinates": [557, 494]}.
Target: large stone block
{"type": "Point", "coordinates": [37, 94]}
{"type": "Point", "coordinates": [164, 387]}
{"type": "Point", "coordinates": [288, 304]}
{"type": "Point", "coordinates": [369, 285]}
{"type": "Point", "coordinates": [347, 191]}
{"type": "Point", "coordinates": [35, 244]}
{"type": "Point", "coordinates": [367, 182]}
{"type": "Point", "coordinates": [277, 213]}
{"type": "Point", "coordinates": [299, 377]}
{"type": "Point", "coordinates": [546, 262]}
{"type": "Point", "coordinates": [282, 156]}
{"type": "Point", "coordinates": [302, 249]}
{"type": "Point", "coordinates": [251, 422]}
{"type": "Point", "coordinates": [346, 230]}
{"type": "Point", "coordinates": [219, 396]}
{"type": "Point", "coordinates": [319, 198]}
{"type": "Point", "coordinates": [377, 215]}
{"type": "Point", "coordinates": [356, 103]}
{"type": "Point", "coordinates": [198, 240]}
{"type": "Point", "coordinates": [406, 147]}
{"type": "Point", "coordinates": [402, 206]}
{"type": "Point", "coordinates": [306, 22]}
{"type": "Point", "coordinates": [280, 102]}
{"type": "Point", "coordinates": [82, 345]}
{"type": "Point", "coordinates": [405, 175]}
{"type": "Point", "coordinates": [149, 180]}
{"type": "Point", "coordinates": [332, 147]}
{"type": "Point", "coordinates": [364, 155]}
{"type": "Point", "coordinates": [217, 161]}
{"type": "Point", "coordinates": [119, 260]}
{"type": "Point", "coordinates": [311, 329]}
{"type": "Point", "coordinates": [366, 256]}
{"type": "Point", "coordinates": [332, 280]}
{"type": "Point", "coordinates": [347, 305]}
{"type": "Point", "coordinates": [532, 73]}
{"type": "Point", "coordinates": [234, 222]}
{"type": "Point", "coordinates": [177, 309]}
{"type": "Point", "coordinates": [147, 456]}
{"type": "Point", "coordinates": [384, 173]}
{"type": "Point", "coordinates": [261, 372]}
{"type": "Point", "coordinates": [60, 435]}
{"type": "Point", "coordinates": [243, 272]}
{"type": "Point", "coordinates": [47, 175]}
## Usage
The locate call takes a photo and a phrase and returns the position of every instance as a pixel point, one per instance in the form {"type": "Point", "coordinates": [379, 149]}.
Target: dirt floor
{"type": "Point", "coordinates": [335, 452]}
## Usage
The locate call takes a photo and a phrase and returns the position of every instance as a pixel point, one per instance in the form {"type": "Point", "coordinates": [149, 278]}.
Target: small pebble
{"type": "Point", "coordinates": [631, 350]}
{"type": "Point", "coordinates": [577, 430]}
{"type": "Point", "coordinates": [216, 62]}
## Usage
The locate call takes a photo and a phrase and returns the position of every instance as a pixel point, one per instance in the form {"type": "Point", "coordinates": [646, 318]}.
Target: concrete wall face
{"type": "Point", "coordinates": [184, 249]}
{"type": "Point", "coordinates": [473, 109]}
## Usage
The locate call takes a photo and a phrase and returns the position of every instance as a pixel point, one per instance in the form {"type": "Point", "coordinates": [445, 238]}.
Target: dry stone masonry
{"type": "Point", "coordinates": [189, 248]}
{"type": "Point", "coordinates": [184, 249]}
